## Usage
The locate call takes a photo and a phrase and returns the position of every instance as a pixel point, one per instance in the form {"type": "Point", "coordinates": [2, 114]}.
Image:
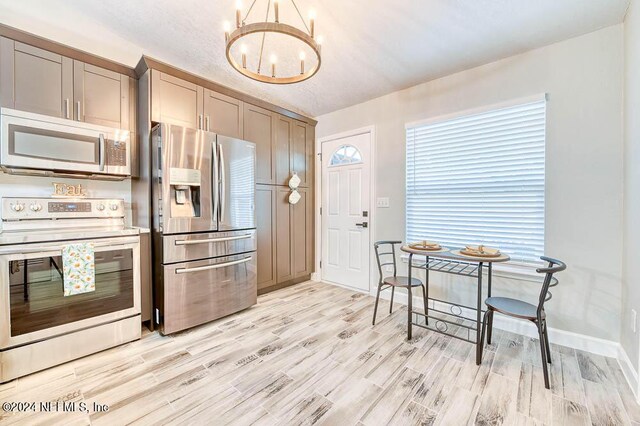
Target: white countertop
{"type": "Point", "coordinates": [39, 236]}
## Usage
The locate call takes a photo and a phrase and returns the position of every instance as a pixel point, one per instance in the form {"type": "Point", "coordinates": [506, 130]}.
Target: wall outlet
{"type": "Point", "coordinates": [383, 202]}
{"type": "Point", "coordinates": [634, 320]}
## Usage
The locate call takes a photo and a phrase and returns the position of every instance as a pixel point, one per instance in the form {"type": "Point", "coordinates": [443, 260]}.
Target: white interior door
{"type": "Point", "coordinates": [346, 169]}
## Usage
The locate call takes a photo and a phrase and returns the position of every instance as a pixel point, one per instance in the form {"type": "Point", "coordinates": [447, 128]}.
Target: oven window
{"type": "Point", "coordinates": [50, 145]}
{"type": "Point", "coordinates": [37, 291]}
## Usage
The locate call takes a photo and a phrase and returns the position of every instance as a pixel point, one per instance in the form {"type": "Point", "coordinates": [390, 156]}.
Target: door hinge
{"type": "Point", "coordinates": [321, 264]}
{"type": "Point", "coordinates": [320, 155]}
{"type": "Point", "coordinates": [321, 211]}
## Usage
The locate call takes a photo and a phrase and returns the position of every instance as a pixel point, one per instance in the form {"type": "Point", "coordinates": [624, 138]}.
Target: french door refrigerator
{"type": "Point", "coordinates": [203, 198]}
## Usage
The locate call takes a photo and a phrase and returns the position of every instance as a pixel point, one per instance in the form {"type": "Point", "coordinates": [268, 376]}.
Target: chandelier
{"type": "Point", "coordinates": [247, 44]}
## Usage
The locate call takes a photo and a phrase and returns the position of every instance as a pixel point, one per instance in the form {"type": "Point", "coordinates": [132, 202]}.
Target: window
{"type": "Point", "coordinates": [479, 179]}
{"type": "Point", "coordinates": [345, 155]}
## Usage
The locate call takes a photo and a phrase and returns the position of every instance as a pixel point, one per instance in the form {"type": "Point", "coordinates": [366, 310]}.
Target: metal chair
{"type": "Point", "coordinates": [394, 280]}
{"type": "Point", "coordinates": [523, 310]}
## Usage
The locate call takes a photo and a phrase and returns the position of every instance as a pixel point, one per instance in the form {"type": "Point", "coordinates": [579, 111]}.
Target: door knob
{"type": "Point", "coordinates": [363, 225]}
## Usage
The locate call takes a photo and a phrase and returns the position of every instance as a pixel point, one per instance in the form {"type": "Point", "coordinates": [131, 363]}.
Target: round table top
{"type": "Point", "coordinates": [446, 253]}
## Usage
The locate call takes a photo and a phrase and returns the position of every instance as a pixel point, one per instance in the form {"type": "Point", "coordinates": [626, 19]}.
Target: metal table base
{"type": "Point", "coordinates": [467, 268]}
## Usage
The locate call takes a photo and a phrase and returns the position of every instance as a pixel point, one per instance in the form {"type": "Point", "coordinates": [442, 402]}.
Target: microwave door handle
{"type": "Point", "coordinates": [101, 153]}
{"type": "Point", "coordinates": [223, 182]}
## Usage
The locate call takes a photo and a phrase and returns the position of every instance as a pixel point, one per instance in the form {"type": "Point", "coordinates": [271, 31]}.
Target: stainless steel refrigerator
{"type": "Point", "coordinates": [203, 198]}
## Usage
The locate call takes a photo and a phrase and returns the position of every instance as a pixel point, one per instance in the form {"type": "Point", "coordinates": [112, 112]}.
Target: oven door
{"type": "Point", "coordinates": [32, 298]}
{"type": "Point", "coordinates": [32, 141]}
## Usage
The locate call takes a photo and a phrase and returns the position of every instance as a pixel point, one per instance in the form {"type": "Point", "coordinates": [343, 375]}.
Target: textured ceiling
{"type": "Point", "coordinates": [371, 47]}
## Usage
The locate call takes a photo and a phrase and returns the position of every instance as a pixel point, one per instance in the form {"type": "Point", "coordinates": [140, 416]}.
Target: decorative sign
{"type": "Point", "coordinates": [294, 182]}
{"type": "Point", "coordinates": [294, 197]}
{"type": "Point", "coordinates": [187, 177]}
{"type": "Point", "coordinates": [66, 190]}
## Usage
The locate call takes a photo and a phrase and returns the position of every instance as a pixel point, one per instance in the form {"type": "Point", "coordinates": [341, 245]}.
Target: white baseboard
{"type": "Point", "coordinates": [315, 276]}
{"type": "Point", "coordinates": [629, 372]}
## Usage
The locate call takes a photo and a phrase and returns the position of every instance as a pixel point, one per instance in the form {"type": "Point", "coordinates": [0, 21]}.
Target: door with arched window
{"type": "Point", "coordinates": [345, 216]}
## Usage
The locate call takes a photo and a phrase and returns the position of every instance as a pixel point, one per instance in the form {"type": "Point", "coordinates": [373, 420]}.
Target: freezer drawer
{"type": "Point", "coordinates": [185, 248]}
{"type": "Point", "coordinates": [202, 291]}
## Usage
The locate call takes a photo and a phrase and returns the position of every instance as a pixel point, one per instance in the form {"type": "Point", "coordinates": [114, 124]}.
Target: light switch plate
{"type": "Point", "coordinates": [383, 202]}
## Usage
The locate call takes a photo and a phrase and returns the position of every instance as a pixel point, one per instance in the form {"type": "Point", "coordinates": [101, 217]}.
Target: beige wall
{"type": "Point", "coordinates": [631, 269]}
{"type": "Point", "coordinates": [584, 177]}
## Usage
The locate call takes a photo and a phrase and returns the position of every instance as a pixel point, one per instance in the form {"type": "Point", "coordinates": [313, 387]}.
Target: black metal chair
{"type": "Point", "coordinates": [523, 310]}
{"type": "Point", "coordinates": [394, 280]}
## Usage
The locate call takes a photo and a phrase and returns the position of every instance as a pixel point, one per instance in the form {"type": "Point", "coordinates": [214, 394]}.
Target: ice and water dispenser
{"type": "Point", "coordinates": [185, 192]}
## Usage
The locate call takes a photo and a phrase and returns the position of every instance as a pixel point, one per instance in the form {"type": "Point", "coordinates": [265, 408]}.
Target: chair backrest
{"type": "Point", "coordinates": [382, 257]}
{"type": "Point", "coordinates": [553, 267]}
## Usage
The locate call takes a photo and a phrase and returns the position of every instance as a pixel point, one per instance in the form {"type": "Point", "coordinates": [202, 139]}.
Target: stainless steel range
{"type": "Point", "coordinates": [39, 325]}
{"type": "Point", "coordinates": [204, 226]}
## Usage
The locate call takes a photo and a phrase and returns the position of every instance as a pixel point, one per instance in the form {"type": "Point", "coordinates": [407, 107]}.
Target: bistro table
{"type": "Point", "coordinates": [452, 262]}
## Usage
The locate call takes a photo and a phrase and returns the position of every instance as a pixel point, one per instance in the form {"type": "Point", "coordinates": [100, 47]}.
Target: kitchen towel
{"type": "Point", "coordinates": [78, 265]}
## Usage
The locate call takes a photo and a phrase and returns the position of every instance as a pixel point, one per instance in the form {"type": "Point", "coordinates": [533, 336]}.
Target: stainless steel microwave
{"type": "Point", "coordinates": [38, 144]}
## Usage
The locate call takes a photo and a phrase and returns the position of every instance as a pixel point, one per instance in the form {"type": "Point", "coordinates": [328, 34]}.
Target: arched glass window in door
{"type": "Point", "coordinates": [345, 155]}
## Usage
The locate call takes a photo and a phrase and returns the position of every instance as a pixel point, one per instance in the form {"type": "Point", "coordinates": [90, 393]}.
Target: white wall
{"type": "Point", "coordinates": [631, 271]}
{"type": "Point", "coordinates": [583, 80]}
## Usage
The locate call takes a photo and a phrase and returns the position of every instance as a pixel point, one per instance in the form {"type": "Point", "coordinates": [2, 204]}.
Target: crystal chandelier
{"type": "Point", "coordinates": [247, 44]}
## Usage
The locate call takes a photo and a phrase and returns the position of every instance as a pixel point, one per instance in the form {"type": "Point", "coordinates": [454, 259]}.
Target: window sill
{"type": "Point", "coordinates": [511, 270]}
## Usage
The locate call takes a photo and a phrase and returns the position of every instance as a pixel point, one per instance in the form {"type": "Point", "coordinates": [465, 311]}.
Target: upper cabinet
{"type": "Point", "coordinates": [302, 146]}
{"type": "Point", "coordinates": [260, 128]}
{"type": "Point", "coordinates": [100, 96]}
{"type": "Point", "coordinates": [223, 114]}
{"type": "Point", "coordinates": [36, 80]}
{"type": "Point", "coordinates": [176, 101]}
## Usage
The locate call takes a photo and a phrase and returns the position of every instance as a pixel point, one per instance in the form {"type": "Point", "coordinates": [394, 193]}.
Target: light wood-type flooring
{"type": "Point", "coordinates": [309, 355]}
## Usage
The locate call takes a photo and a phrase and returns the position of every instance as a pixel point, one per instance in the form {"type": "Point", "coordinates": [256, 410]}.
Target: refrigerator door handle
{"type": "Point", "coordinates": [213, 240]}
{"type": "Point", "coordinates": [223, 184]}
{"type": "Point", "coordinates": [215, 190]}
{"type": "Point", "coordinates": [216, 266]}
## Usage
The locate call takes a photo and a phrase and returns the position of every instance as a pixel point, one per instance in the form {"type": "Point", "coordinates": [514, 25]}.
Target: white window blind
{"type": "Point", "coordinates": [479, 179]}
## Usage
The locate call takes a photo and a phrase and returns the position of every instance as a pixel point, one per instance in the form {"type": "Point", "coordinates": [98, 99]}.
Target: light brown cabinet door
{"type": "Point", "coordinates": [265, 233]}
{"type": "Point", "coordinates": [100, 96]}
{"type": "Point", "coordinates": [284, 254]}
{"type": "Point", "coordinates": [284, 131]}
{"type": "Point", "coordinates": [302, 234]}
{"type": "Point", "coordinates": [35, 80]}
{"type": "Point", "coordinates": [176, 101]}
{"type": "Point", "coordinates": [259, 128]}
{"type": "Point", "coordinates": [302, 146]}
{"type": "Point", "coordinates": [223, 114]}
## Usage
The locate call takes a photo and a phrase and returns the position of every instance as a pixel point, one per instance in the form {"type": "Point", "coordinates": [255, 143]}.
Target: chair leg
{"type": "Point", "coordinates": [409, 312]}
{"type": "Point", "coordinates": [546, 342]}
{"type": "Point", "coordinates": [543, 352]}
{"type": "Point", "coordinates": [375, 308]}
{"type": "Point", "coordinates": [426, 306]}
{"type": "Point", "coordinates": [489, 326]}
{"type": "Point", "coordinates": [484, 329]}
{"type": "Point", "coordinates": [393, 289]}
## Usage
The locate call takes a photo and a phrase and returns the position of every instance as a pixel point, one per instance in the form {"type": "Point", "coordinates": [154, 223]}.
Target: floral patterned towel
{"type": "Point", "coordinates": [79, 268]}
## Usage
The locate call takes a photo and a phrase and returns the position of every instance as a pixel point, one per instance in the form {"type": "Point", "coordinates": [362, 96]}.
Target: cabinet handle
{"type": "Point", "coordinates": [66, 108]}
{"type": "Point", "coordinates": [200, 121]}
{"type": "Point", "coordinates": [78, 108]}
{"type": "Point", "coordinates": [206, 121]}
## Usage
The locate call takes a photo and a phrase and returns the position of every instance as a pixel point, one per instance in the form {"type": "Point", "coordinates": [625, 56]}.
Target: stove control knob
{"type": "Point", "coordinates": [35, 207]}
{"type": "Point", "coordinates": [100, 207]}
{"type": "Point", "coordinates": [17, 207]}
{"type": "Point", "coordinates": [113, 207]}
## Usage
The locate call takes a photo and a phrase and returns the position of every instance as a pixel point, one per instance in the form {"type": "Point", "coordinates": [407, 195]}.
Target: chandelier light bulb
{"type": "Point", "coordinates": [319, 40]}
{"type": "Point", "coordinates": [273, 59]}
{"type": "Point", "coordinates": [243, 49]}
{"type": "Point", "coordinates": [302, 56]}
{"type": "Point", "coordinates": [227, 27]}
{"type": "Point", "coordinates": [312, 14]}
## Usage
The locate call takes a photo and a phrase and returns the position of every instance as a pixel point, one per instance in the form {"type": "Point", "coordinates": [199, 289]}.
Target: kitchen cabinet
{"type": "Point", "coordinates": [176, 101]}
{"type": "Point", "coordinates": [100, 96]}
{"type": "Point", "coordinates": [284, 134]}
{"type": "Point", "coordinates": [302, 231]}
{"type": "Point", "coordinates": [260, 128]}
{"type": "Point", "coordinates": [35, 80]}
{"type": "Point", "coordinates": [223, 114]}
{"type": "Point", "coordinates": [302, 147]}
{"type": "Point", "coordinates": [284, 228]}
{"type": "Point", "coordinates": [265, 234]}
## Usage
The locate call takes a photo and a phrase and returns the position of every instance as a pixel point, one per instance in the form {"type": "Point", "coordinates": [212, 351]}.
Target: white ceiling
{"type": "Point", "coordinates": [371, 47]}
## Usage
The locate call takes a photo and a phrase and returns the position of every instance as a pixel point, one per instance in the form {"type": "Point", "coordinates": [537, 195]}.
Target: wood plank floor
{"type": "Point", "coordinates": [309, 355]}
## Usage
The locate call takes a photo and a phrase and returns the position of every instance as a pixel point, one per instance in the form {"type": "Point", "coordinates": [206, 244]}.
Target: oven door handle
{"type": "Point", "coordinates": [213, 240]}
{"type": "Point", "coordinates": [101, 153]}
{"type": "Point", "coordinates": [114, 244]}
{"type": "Point", "coordinates": [217, 266]}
